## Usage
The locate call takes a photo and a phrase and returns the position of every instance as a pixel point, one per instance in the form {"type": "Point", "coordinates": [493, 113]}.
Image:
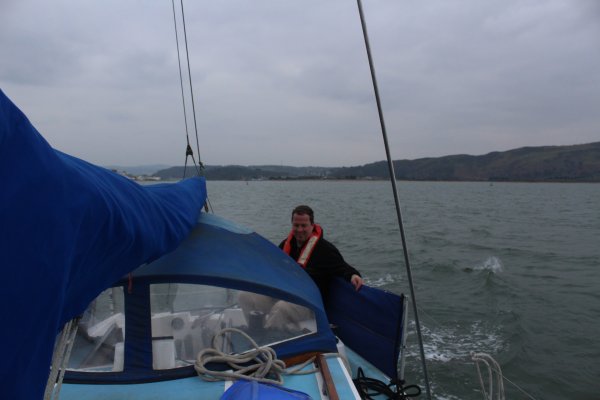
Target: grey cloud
{"type": "Point", "coordinates": [460, 76]}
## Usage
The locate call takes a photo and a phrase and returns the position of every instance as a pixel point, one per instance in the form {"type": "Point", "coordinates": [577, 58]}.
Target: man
{"type": "Point", "coordinates": [320, 259]}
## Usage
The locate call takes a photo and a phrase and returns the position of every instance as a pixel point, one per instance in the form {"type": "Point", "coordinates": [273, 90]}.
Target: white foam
{"type": "Point", "coordinates": [492, 263]}
{"type": "Point", "coordinates": [453, 343]}
{"type": "Point", "coordinates": [384, 280]}
{"type": "Point", "coordinates": [444, 396]}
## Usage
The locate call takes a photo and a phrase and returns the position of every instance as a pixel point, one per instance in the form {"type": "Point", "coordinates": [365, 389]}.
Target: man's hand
{"type": "Point", "coordinates": [356, 281]}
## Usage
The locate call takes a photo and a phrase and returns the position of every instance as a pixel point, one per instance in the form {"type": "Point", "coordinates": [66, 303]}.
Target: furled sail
{"type": "Point", "coordinates": [68, 230]}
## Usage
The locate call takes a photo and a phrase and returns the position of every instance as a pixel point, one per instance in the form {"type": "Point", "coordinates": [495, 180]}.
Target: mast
{"type": "Point", "coordinates": [395, 191]}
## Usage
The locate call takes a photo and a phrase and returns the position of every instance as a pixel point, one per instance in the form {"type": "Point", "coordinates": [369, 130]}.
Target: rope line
{"type": "Point", "coordinates": [267, 368]}
{"type": "Point", "coordinates": [59, 349]}
{"type": "Point", "coordinates": [371, 389]}
{"type": "Point", "coordinates": [494, 370]}
{"type": "Point", "coordinates": [396, 197]}
{"type": "Point", "coordinates": [518, 387]}
{"type": "Point", "coordinates": [60, 359]}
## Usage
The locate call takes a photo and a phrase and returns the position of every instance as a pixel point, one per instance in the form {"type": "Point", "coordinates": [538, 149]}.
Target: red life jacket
{"type": "Point", "coordinates": [308, 247]}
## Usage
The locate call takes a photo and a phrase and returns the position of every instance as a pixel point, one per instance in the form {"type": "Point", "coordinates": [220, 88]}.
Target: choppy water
{"type": "Point", "coordinates": [510, 269]}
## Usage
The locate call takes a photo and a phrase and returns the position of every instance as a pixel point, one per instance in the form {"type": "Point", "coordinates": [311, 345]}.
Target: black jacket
{"type": "Point", "coordinates": [325, 263]}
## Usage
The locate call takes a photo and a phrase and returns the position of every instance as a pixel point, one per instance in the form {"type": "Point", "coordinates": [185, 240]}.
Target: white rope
{"type": "Point", "coordinates": [59, 348]}
{"type": "Point", "coordinates": [265, 358]}
{"type": "Point", "coordinates": [493, 369]}
{"type": "Point", "coordinates": [478, 357]}
{"type": "Point", "coordinates": [60, 359]}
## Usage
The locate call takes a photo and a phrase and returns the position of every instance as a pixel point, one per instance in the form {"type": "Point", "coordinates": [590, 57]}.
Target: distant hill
{"type": "Point", "coordinates": [577, 163]}
{"type": "Point", "coordinates": [138, 169]}
{"type": "Point", "coordinates": [238, 172]}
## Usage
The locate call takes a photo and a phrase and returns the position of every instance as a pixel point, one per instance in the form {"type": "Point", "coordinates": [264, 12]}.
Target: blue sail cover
{"type": "Point", "coordinates": [68, 230]}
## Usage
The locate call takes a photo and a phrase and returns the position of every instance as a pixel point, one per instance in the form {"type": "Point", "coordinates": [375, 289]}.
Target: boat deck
{"type": "Point", "coordinates": [196, 388]}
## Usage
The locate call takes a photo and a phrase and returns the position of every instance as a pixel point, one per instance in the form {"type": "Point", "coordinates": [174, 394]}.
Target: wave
{"type": "Point", "coordinates": [446, 344]}
{"type": "Point", "coordinates": [492, 264]}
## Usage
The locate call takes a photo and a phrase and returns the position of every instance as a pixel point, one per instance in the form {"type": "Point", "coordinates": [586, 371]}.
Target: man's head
{"type": "Point", "coordinates": [304, 210]}
{"type": "Point", "coordinates": [302, 223]}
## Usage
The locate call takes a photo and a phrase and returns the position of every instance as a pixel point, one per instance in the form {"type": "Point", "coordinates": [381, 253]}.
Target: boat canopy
{"type": "Point", "coordinates": [68, 231]}
{"type": "Point", "coordinates": [177, 303]}
{"type": "Point", "coordinates": [222, 253]}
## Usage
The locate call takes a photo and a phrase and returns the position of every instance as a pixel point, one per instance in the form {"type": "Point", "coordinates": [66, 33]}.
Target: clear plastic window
{"type": "Point", "coordinates": [98, 345]}
{"type": "Point", "coordinates": [186, 317]}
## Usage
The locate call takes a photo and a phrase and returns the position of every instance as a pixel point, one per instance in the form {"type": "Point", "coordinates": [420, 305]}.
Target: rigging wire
{"type": "Point", "coordinates": [187, 55]}
{"type": "Point", "coordinates": [519, 388]}
{"type": "Point", "coordinates": [395, 190]}
{"type": "Point", "coordinates": [188, 151]}
{"type": "Point", "coordinates": [187, 135]}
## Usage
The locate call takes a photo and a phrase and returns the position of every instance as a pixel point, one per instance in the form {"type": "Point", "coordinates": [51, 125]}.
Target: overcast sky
{"type": "Point", "coordinates": [287, 81]}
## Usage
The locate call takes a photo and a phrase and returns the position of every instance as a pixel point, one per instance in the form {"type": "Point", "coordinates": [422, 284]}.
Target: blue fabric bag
{"type": "Point", "coordinates": [252, 390]}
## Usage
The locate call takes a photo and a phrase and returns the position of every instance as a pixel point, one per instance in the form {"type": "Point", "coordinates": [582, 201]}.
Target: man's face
{"type": "Point", "coordinates": [301, 227]}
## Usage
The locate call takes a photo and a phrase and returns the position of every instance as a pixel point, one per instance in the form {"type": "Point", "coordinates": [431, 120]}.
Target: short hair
{"type": "Point", "coordinates": [304, 210]}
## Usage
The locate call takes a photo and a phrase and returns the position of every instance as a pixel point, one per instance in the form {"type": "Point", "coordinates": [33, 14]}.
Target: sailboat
{"type": "Point", "coordinates": [186, 302]}
{"type": "Point", "coordinates": [142, 332]}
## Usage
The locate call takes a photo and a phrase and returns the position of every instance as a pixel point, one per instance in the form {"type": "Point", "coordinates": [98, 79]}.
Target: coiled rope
{"type": "Point", "coordinates": [370, 388]}
{"type": "Point", "coordinates": [266, 369]}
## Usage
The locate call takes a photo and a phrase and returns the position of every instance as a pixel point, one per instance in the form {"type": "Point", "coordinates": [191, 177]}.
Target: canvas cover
{"type": "Point", "coordinates": [370, 322]}
{"type": "Point", "coordinates": [219, 252]}
{"type": "Point", "coordinates": [68, 230]}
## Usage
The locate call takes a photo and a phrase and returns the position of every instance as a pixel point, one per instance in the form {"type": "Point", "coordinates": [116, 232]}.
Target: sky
{"type": "Point", "coordinates": [287, 82]}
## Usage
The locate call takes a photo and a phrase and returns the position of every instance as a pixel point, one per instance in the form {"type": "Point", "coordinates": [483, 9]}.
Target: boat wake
{"type": "Point", "coordinates": [445, 344]}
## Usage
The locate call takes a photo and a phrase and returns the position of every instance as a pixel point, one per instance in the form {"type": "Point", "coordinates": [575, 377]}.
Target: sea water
{"type": "Point", "coordinates": [508, 269]}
